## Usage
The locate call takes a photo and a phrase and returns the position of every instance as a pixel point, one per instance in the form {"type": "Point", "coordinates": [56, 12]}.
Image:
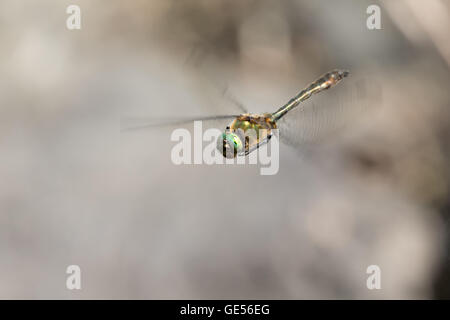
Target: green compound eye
{"type": "Point", "coordinates": [236, 141]}
{"type": "Point", "coordinates": [229, 144]}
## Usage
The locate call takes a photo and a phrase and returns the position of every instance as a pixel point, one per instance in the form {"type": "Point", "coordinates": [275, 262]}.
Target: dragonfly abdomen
{"type": "Point", "coordinates": [326, 81]}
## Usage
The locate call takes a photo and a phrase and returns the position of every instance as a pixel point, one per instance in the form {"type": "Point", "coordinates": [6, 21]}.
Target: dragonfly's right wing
{"type": "Point", "coordinates": [324, 116]}
{"type": "Point", "coordinates": [139, 123]}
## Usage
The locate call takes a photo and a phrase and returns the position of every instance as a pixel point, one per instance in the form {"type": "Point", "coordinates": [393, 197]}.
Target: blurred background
{"type": "Point", "coordinates": [74, 189]}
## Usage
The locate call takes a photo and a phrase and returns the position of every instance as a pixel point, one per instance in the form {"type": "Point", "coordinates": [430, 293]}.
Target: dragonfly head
{"type": "Point", "coordinates": [229, 144]}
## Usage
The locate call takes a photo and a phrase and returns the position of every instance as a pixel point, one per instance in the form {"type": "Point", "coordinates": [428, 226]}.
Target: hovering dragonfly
{"type": "Point", "coordinates": [235, 142]}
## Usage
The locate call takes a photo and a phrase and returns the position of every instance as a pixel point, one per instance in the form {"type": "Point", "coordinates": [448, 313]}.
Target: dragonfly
{"type": "Point", "coordinates": [235, 141]}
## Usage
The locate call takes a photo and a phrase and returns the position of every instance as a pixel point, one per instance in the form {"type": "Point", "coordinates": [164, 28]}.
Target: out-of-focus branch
{"type": "Point", "coordinates": [432, 17]}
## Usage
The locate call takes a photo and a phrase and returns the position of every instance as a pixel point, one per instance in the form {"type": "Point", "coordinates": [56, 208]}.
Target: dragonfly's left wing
{"type": "Point", "coordinates": [227, 95]}
{"type": "Point", "coordinates": [139, 123]}
{"type": "Point", "coordinates": [202, 61]}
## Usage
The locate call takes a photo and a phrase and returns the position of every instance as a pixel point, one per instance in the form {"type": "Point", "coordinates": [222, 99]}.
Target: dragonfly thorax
{"type": "Point", "coordinates": [245, 134]}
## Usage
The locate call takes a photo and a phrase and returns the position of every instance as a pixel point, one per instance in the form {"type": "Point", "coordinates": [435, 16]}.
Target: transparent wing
{"type": "Point", "coordinates": [229, 96]}
{"type": "Point", "coordinates": [201, 61]}
{"type": "Point", "coordinates": [141, 123]}
{"type": "Point", "coordinates": [325, 115]}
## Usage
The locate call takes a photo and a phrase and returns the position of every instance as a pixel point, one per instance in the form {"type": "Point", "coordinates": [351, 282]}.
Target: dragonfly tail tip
{"type": "Point", "coordinates": [344, 73]}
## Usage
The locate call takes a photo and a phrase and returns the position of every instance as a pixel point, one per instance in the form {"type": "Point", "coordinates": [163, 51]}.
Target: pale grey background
{"type": "Point", "coordinates": [75, 190]}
